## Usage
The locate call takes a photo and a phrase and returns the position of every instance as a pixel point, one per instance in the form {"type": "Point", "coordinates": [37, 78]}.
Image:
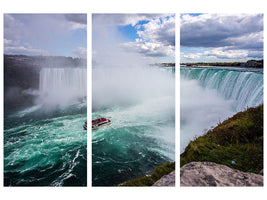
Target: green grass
{"type": "Point", "coordinates": [238, 139]}
{"type": "Point", "coordinates": [156, 175]}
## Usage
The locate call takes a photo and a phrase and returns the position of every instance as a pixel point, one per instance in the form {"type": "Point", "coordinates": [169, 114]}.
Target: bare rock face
{"type": "Point", "coordinates": [212, 174]}
{"type": "Point", "coordinates": [167, 180]}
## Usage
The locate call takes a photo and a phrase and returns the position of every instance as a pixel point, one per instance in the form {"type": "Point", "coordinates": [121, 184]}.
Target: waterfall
{"type": "Point", "coordinates": [61, 86]}
{"type": "Point", "coordinates": [244, 88]}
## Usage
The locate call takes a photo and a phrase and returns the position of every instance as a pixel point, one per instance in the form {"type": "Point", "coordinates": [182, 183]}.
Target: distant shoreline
{"type": "Point", "coordinates": [163, 64]}
{"type": "Point", "coordinates": [249, 63]}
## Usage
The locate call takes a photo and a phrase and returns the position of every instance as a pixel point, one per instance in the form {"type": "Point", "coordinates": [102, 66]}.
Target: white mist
{"type": "Point", "coordinates": [201, 109]}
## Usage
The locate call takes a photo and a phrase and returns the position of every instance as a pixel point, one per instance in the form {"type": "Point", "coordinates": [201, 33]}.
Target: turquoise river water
{"type": "Point", "coordinates": [45, 144]}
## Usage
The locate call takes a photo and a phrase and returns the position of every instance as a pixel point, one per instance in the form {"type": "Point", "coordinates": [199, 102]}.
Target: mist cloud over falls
{"type": "Point", "coordinates": [121, 72]}
{"type": "Point", "coordinates": [124, 86]}
{"type": "Point", "coordinates": [200, 110]}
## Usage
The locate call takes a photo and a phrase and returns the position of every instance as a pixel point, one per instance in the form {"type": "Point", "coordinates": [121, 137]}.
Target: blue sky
{"type": "Point", "coordinates": [130, 31]}
{"type": "Point", "coordinates": [45, 34]}
{"type": "Point", "coordinates": [221, 37]}
{"type": "Point", "coordinates": [152, 36]}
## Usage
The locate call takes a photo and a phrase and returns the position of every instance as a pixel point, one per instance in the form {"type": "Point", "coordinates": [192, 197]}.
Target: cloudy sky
{"type": "Point", "coordinates": [45, 34]}
{"type": "Point", "coordinates": [151, 36]}
{"type": "Point", "coordinates": [221, 37]}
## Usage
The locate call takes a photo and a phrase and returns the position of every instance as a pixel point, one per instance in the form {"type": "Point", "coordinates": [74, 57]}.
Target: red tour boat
{"type": "Point", "coordinates": [97, 123]}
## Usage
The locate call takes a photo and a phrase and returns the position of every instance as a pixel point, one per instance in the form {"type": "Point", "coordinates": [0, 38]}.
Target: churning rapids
{"type": "Point", "coordinates": [211, 95]}
{"type": "Point", "coordinates": [45, 144]}
{"type": "Point", "coordinates": [140, 103]}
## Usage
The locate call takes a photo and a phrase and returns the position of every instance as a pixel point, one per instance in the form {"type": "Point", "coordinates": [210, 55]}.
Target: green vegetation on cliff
{"type": "Point", "coordinates": [155, 176]}
{"type": "Point", "coordinates": [237, 142]}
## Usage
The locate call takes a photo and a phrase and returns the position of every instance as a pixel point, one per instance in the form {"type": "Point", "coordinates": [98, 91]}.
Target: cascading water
{"type": "Point", "coordinates": [62, 85]}
{"type": "Point", "coordinates": [208, 96]}
{"type": "Point", "coordinates": [245, 88]}
{"type": "Point", "coordinates": [49, 148]}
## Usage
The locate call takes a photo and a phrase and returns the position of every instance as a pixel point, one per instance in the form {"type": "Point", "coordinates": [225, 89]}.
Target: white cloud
{"type": "Point", "coordinates": [216, 30]}
{"type": "Point", "coordinates": [13, 28]}
{"type": "Point", "coordinates": [190, 56]}
{"type": "Point", "coordinates": [11, 42]}
{"type": "Point", "coordinates": [22, 50]}
{"type": "Point", "coordinates": [80, 52]}
{"type": "Point", "coordinates": [153, 49]}
{"type": "Point", "coordinates": [123, 19]}
{"type": "Point", "coordinates": [7, 42]}
{"type": "Point", "coordinates": [228, 36]}
{"type": "Point", "coordinates": [75, 26]}
{"type": "Point", "coordinates": [40, 33]}
{"type": "Point", "coordinates": [159, 30]}
{"type": "Point", "coordinates": [14, 47]}
{"type": "Point", "coordinates": [157, 37]}
{"type": "Point", "coordinates": [247, 41]}
{"type": "Point", "coordinates": [220, 53]}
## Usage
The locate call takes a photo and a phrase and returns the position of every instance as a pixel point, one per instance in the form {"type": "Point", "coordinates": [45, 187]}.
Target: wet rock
{"type": "Point", "coordinates": [212, 174]}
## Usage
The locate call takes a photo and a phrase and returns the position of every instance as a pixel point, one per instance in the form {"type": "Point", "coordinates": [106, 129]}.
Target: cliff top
{"type": "Point", "coordinates": [237, 143]}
